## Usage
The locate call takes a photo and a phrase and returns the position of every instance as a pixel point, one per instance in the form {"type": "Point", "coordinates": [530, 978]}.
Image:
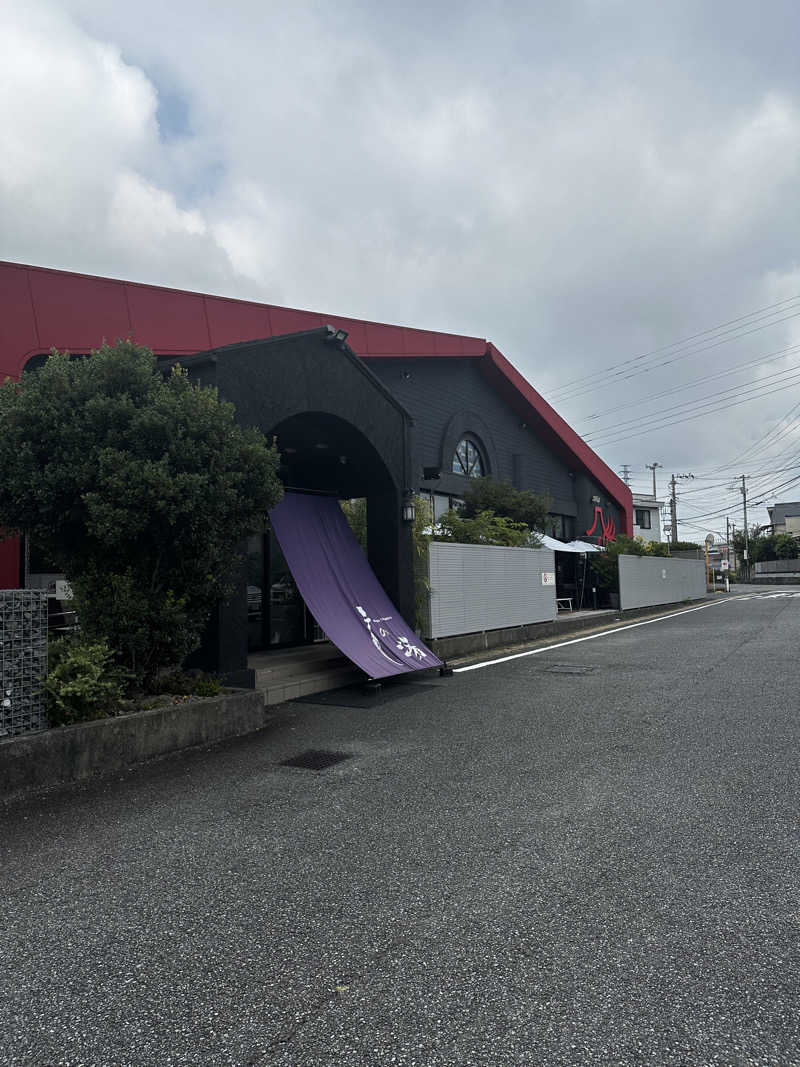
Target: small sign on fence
{"type": "Point", "coordinates": [548, 578]}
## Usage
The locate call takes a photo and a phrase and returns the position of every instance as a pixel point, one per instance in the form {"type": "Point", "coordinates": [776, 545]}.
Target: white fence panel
{"type": "Point", "coordinates": [648, 580]}
{"type": "Point", "coordinates": [489, 587]}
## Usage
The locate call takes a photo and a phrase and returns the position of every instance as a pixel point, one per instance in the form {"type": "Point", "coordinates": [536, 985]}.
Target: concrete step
{"type": "Point", "coordinates": [290, 688]}
{"type": "Point", "coordinates": [285, 672]}
{"type": "Point", "coordinates": [294, 662]}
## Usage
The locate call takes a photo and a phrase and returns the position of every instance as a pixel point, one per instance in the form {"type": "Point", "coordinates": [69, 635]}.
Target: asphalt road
{"type": "Point", "coordinates": [516, 866]}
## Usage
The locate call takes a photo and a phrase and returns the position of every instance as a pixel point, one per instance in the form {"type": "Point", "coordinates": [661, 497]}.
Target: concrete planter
{"type": "Point", "coordinates": [105, 746]}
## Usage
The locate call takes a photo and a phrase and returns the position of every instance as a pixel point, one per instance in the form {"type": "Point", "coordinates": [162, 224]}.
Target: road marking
{"type": "Point", "coordinates": [765, 596]}
{"type": "Point", "coordinates": [590, 637]}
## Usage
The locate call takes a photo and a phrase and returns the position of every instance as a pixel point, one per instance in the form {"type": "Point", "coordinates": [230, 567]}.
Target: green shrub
{"type": "Point", "coordinates": [485, 528]}
{"type": "Point", "coordinates": [83, 683]}
{"type": "Point", "coordinates": [139, 486]}
{"type": "Point", "coordinates": [207, 687]}
{"type": "Point", "coordinates": [182, 684]}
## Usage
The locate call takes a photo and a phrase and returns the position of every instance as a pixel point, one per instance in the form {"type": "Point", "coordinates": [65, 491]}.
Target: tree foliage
{"type": "Point", "coordinates": [485, 528]}
{"type": "Point", "coordinates": [420, 538]}
{"type": "Point", "coordinates": [137, 486]}
{"type": "Point", "coordinates": [518, 505]}
{"type": "Point", "coordinates": [355, 511]}
{"type": "Point", "coordinates": [764, 547]}
{"type": "Point", "coordinates": [606, 564]}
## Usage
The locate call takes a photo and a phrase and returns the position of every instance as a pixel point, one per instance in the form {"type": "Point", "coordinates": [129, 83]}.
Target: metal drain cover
{"type": "Point", "coordinates": [314, 759]}
{"type": "Point", "coordinates": [567, 668]}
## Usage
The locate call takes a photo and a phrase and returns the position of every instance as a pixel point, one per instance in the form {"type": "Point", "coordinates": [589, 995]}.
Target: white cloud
{"type": "Point", "coordinates": [80, 133]}
{"type": "Point", "coordinates": [577, 188]}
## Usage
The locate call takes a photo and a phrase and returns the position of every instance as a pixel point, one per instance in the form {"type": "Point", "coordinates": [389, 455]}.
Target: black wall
{"type": "Point", "coordinates": [303, 381]}
{"type": "Point", "coordinates": [450, 397]}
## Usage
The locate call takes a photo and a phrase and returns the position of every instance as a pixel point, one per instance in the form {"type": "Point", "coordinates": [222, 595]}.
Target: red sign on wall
{"type": "Point", "coordinates": [608, 529]}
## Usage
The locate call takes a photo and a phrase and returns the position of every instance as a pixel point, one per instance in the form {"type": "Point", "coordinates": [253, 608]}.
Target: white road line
{"type": "Point", "coordinates": [590, 637]}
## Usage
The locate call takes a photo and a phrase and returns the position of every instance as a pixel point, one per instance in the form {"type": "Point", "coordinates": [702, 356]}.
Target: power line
{"type": "Point", "coordinates": [763, 493]}
{"type": "Point", "coordinates": [785, 376]}
{"type": "Point", "coordinates": [689, 418]}
{"type": "Point", "coordinates": [753, 449]}
{"type": "Point", "coordinates": [587, 382]}
{"type": "Point", "coordinates": [727, 373]}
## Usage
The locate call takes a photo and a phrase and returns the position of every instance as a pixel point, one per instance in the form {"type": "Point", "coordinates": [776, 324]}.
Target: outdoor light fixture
{"type": "Point", "coordinates": [335, 336]}
{"type": "Point", "coordinates": [409, 508]}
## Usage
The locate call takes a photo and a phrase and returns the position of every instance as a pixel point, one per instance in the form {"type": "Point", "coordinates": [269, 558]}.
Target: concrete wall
{"type": "Point", "coordinates": [650, 580]}
{"type": "Point", "coordinates": [106, 746]}
{"type": "Point", "coordinates": [488, 587]}
{"type": "Point", "coordinates": [778, 566]}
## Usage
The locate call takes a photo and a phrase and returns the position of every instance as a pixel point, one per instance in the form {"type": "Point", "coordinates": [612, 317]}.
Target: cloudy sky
{"type": "Point", "coordinates": [607, 189]}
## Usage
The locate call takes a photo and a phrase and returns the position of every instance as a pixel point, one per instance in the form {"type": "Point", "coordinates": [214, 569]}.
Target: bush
{"type": "Point", "coordinates": [503, 500]}
{"type": "Point", "coordinates": [138, 486]}
{"type": "Point", "coordinates": [485, 528]}
{"type": "Point", "coordinates": [181, 684]}
{"type": "Point", "coordinates": [83, 683]}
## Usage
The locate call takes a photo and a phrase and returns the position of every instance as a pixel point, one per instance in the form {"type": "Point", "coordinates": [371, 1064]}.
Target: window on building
{"type": "Point", "coordinates": [468, 459]}
{"type": "Point", "coordinates": [562, 527]}
{"type": "Point", "coordinates": [442, 503]}
{"type": "Point", "coordinates": [643, 518]}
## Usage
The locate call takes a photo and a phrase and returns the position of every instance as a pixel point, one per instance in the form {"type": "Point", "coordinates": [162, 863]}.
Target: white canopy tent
{"type": "Point", "coordinates": [554, 545]}
{"type": "Point", "coordinates": [583, 546]}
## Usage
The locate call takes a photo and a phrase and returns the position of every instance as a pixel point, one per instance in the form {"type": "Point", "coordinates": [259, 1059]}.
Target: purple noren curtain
{"type": "Point", "coordinates": [341, 590]}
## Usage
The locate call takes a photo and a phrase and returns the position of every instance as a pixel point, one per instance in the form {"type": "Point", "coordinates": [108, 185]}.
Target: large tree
{"type": "Point", "coordinates": [138, 485]}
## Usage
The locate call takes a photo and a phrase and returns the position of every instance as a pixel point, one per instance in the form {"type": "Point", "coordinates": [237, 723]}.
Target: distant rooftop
{"type": "Point", "coordinates": [778, 512]}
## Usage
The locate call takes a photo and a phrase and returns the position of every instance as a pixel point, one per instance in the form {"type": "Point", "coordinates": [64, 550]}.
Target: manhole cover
{"type": "Point", "coordinates": [315, 759]}
{"type": "Point", "coordinates": [567, 668]}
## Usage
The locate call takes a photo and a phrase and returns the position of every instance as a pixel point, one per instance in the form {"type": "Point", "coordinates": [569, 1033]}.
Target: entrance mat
{"type": "Point", "coordinates": [360, 696]}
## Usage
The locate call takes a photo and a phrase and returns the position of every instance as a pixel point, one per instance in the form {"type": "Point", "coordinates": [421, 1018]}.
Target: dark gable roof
{"type": "Point", "coordinates": [778, 513]}
{"type": "Point", "coordinates": [43, 308]}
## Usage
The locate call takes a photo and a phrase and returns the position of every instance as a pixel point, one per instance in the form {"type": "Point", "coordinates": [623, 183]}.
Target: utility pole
{"type": "Point", "coordinates": [652, 467]}
{"type": "Point", "coordinates": [673, 513]}
{"type": "Point", "coordinates": [728, 541]}
{"type": "Point", "coordinates": [626, 473]}
{"type": "Point", "coordinates": [674, 503]}
{"type": "Point", "coordinates": [746, 534]}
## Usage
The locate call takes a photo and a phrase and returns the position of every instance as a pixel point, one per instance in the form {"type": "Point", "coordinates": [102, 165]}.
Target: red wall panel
{"type": "Point", "coordinates": [230, 321]}
{"type": "Point", "coordinates": [78, 313]}
{"type": "Point", "coordinates": [17, 323]}
{"type": "Point", "coordinates": [287, 320]}
{"type": "Point", "coordinates": [384, 340]}
{"type": "Point", "coordinates": [168, 321]}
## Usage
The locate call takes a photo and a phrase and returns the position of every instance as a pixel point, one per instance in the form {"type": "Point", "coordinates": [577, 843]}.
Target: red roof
{"type": "Point", "coordinates": [43, 308]}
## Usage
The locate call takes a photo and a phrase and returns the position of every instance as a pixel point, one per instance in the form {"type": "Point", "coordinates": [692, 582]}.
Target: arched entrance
{"type": "Point", "coordinates": [321, 453]}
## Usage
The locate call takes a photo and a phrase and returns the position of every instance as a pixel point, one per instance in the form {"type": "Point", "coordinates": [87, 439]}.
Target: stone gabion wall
{"type": "Point", "coordinates": [23, 660]}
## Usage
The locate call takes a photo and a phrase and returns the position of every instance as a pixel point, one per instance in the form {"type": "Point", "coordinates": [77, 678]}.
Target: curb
{"type": "Point", "coordinates": [48, 759]}
{"type": "Point", "coordinates": [565, 629]}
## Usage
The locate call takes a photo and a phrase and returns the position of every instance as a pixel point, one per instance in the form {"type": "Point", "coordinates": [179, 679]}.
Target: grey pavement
{"type": "Point", "coordinates": [517, 866]}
